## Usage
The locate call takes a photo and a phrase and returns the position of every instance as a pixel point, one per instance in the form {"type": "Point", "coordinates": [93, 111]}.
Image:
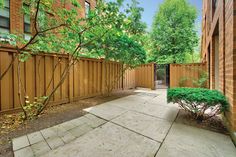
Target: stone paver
{"type": "Point", "coordinates": [68, 137]}
{"type": "Point", "coordinates": [80, 130]}
{"type": "Point", "coordinates": [54, 142]}
{"type": "Point", "coordinates": [40, 142]}
{"type": "Point", "coordinates": [154, 128]}
{"type": "Point", "coordinates": [48, 132]}
{"type": "Point", "coordinates": [159, 111]}
{"type": "Point", "coordinates": [109, 140]}
{"type": "Point", "coordinates": [35, 137]}
{"type": "Point", "coordinates": [20, 142]}
{"type": "Point", "coordinates": [40, 148]}
{"type": "Point", "coordinates": [186, 141]}
{"type": "Point", "coordinates": [106, 111]}
{"type": "Point", "coordinates": [94, 121]}
{"type": "Point", "coordinates": [25, 152]}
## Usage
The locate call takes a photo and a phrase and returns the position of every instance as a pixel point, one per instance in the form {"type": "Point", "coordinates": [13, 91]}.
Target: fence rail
{"type": "Point", "coordinates": [183, 75]}
{"type": "Point", "coordinates": [40, 74]}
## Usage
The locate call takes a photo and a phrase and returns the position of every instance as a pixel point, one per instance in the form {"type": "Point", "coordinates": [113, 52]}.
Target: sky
{"type": "Point", "coordinates": [151, 7]}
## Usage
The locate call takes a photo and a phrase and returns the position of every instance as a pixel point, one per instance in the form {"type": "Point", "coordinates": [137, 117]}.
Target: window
{"type": "Point", "coordinates": [5, 17]}
{"type": "Point", "coordinates": [27, 27]}
{"type": "Point", "coordinates": [87, 9]}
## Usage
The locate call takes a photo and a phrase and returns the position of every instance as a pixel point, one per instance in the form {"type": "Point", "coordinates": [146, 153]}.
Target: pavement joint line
{"type": "Point", "coordinates": [135, 132]}
{"type": "Point", "coordinates": [167, 134]}
{"type": "Point", "coordinates": [125, 127]}
{"type": "Point", "coordinates": [149, 115]}
{"type": "Point", "coordinates": [45, 138]}
{"type": "Point", "coordinates": [110, 119]}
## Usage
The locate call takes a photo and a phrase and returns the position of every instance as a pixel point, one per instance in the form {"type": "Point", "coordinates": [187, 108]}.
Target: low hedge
{"type": "Point", "coordinates": [201, 103]}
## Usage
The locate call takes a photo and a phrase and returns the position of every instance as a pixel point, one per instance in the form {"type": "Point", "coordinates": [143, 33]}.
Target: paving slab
{"type": "Point", "coordinates": [79, 121]}
{"type": "Point", "coordinates": [94, 121]}
{"type": "Point", "coordinates": [186, 141]}
{"type": "Point", "coordinates": [68, 137]}
{"type": "Point", "coordinates": [54, 142]}
{"type": "Point", "coordinates": [20, 142]}
{"type": "Point", "coordinates": [24, 152]}
{"type": "Point", "coordinates": [80, 130]}
{"type": "Point", "coordinates": [109, 140]}
{"type": "Point", "coordinates": [126, 102]}
{"type": "Point", "coordinates": [152, 127]}
{"type": "Point", "coordinates": [106, 111]}
{"type": "Point", "coordinates": [158, 111]}
{"type": "Point", "coordinates": [40, 148]}
{"type": "Point", "coordinates": [35, 137]}
{"type": "Point", "coordinates": [48, 132]}
{"type": "Point", "coordinates": [68, 125]}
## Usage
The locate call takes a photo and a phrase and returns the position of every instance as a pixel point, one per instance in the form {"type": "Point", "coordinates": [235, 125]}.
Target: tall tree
{"type": "Point", "coordinates": [173, 31]}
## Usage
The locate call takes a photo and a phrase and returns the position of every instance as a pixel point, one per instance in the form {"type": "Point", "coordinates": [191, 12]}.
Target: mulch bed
{"type": "Point", "coordinates": [12, 126]}
{"type": "Point", "coordinates": [214, 124]}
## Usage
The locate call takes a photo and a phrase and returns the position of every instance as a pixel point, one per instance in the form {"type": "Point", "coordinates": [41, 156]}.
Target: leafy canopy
{"type": "Point", "coordinates": [173, 31]}
{"type": "Point", "coordinates": [123, 43]}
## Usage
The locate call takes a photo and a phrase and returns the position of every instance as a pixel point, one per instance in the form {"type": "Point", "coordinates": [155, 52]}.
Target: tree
{"type": "Point", "coordinates": [173, 31]}
{"type": "Point", "coordinates": [59, 30]}
{"type": "Point", "coordinates": [121, 44]}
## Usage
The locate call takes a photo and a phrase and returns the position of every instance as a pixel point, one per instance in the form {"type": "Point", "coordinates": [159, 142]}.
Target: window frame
{"type": "Point", "coordinates": [25, 22]}
{"type": "Point", "coordinates": [7, 18]}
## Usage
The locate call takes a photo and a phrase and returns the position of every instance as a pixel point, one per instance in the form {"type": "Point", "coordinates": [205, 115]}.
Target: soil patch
{"type": "Point", "coordinates": [12, 126]}
{"type": "Point", "coordinates": [214, 124]}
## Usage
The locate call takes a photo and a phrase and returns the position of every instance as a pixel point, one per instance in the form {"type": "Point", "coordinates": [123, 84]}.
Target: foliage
{"type": "Point", "coordinates": [182, 81]}
{"type": "Point", "coordinates": [124, 41]}
{"type": "Point", "coordinates": [201, 103]}
{"type": "Point", "coordinates": [192, 57]}
{"type": "Point", "coordinates": [202, 81]}
{"type": "Point", "coordinates": [58, 30]}
{"type": "Point", "coordinates": [31, 108]}
{"type": "Point", "coordinates": [136, 26]}
{"type": "Point", "coordinates": [173, 32]}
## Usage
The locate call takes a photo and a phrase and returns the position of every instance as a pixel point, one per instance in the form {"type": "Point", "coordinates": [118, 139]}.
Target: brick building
{"type": "Point", "coordinates": [219, 50]}
{"type": "Point", "coordinates": [12, 20]}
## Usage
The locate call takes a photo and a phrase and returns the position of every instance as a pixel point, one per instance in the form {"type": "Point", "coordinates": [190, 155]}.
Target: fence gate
{"type": "Point", "coordinates": [162, 73]}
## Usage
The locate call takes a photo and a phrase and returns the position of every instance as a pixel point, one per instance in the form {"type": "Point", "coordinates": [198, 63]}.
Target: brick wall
{"type": "Point", "coordinates": [17, 18]}
{"type": "Point", "coordinates": [221, 21]}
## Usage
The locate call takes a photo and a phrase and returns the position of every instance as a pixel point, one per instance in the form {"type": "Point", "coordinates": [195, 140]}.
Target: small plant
{"type": "Point", "coordinates": [182, 81]}
{"type": "Point", "coordinates": [31, 109]}
{"type": "Point", "coordinates": [201, 103]}
{"type": "Point", "coordinates": [202, 81]}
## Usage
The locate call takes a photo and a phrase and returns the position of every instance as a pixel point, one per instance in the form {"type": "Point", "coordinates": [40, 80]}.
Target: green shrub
{"type": "Point", "coordinates": [201, 103]}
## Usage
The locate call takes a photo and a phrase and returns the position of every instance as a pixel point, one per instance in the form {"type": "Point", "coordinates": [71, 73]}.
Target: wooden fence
{"type": "Point", "coordinates": [40, 74]}
{"type": "Point", "coordinates": [145, 76]}
{"type": "Point", "coordinates": [183, 75]}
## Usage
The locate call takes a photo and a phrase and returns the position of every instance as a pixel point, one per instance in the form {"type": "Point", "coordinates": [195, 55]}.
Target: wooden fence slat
{"type": "Point", "coordinates": [86, 78]}
{"type": "Point", "coordinates": [190, 72]}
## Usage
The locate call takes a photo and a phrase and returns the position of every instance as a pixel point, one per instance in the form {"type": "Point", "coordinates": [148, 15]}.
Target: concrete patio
{"type": "Point", "coordinates": [140, 125]}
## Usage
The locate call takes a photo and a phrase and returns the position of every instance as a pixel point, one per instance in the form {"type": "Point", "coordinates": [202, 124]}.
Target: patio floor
{"type": "Point", "coordinates": [140, 125]}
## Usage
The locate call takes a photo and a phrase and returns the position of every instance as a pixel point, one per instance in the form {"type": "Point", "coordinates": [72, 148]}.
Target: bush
{"type": "Point", "coordinates": [201, 103]}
